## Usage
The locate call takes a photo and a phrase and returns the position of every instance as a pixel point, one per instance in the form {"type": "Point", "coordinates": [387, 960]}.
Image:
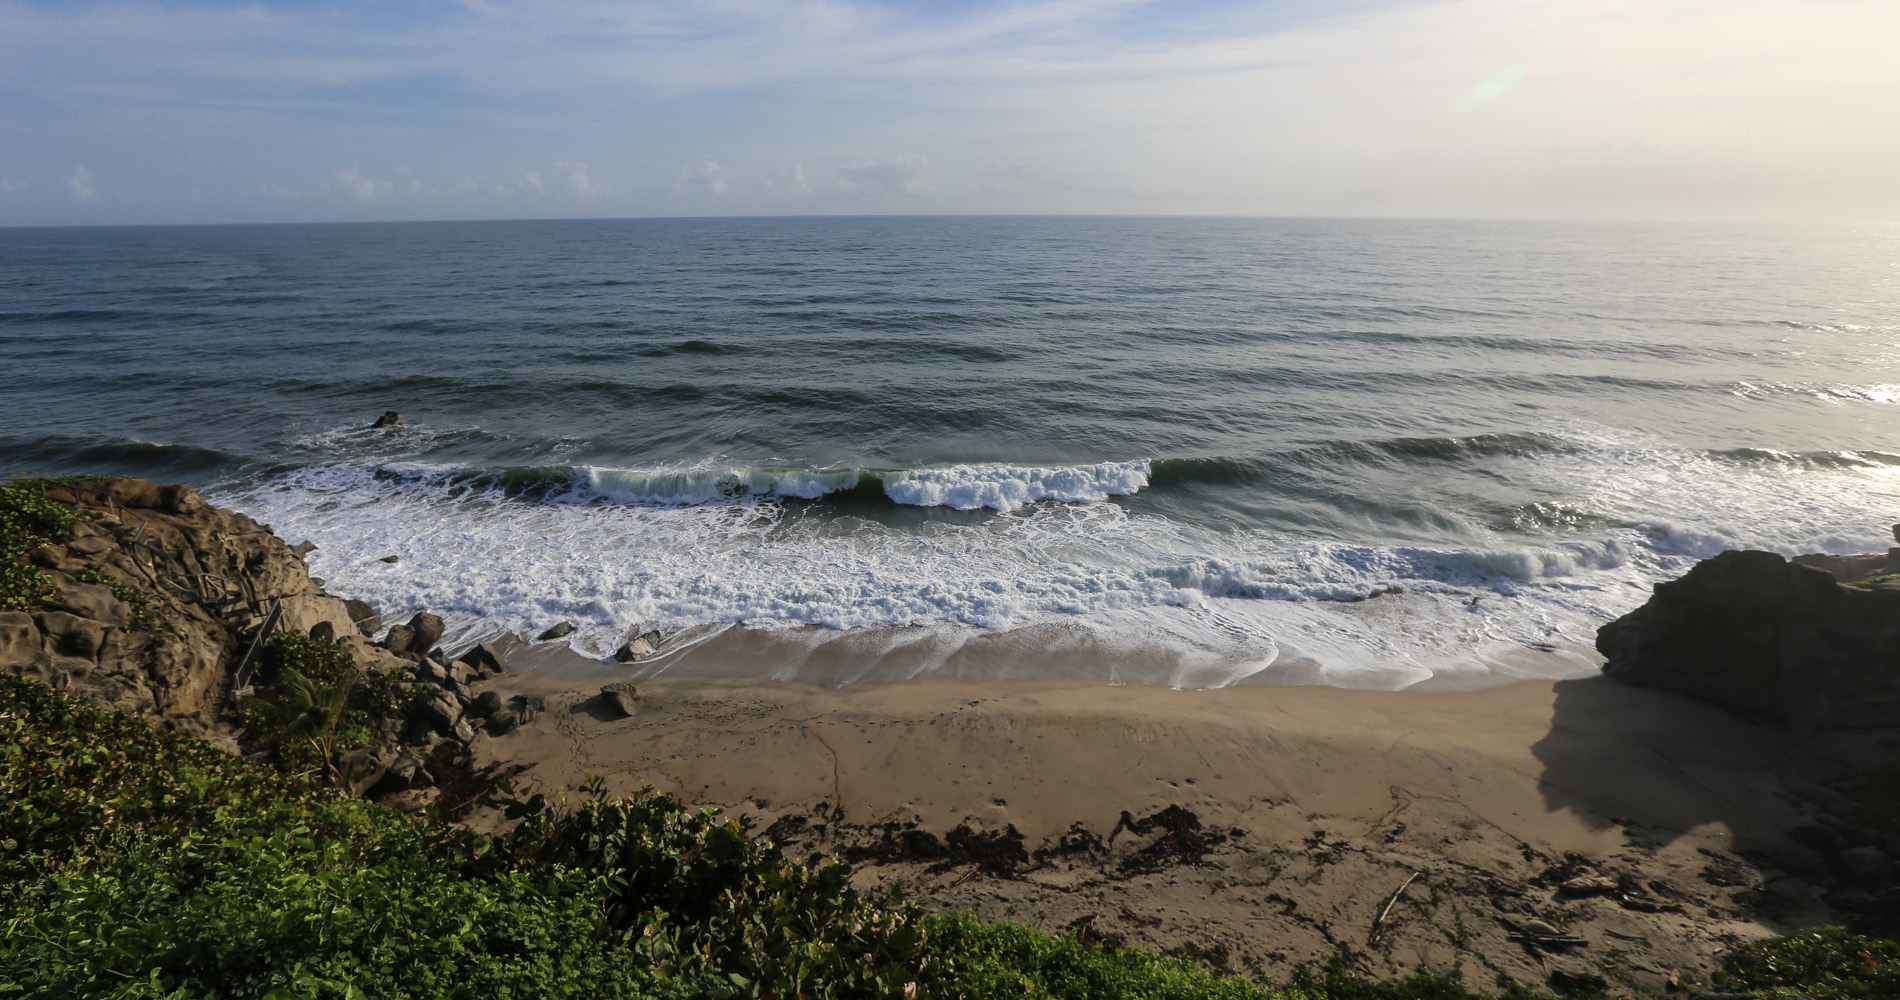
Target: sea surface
{"type": "Point", "coordinates": [1172, 450]}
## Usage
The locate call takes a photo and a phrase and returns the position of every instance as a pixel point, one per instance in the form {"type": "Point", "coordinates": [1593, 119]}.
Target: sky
{"type": "Point", "coordinates": [203, 111]}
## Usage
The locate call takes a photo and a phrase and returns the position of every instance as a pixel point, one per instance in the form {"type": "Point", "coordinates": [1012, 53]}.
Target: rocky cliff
{"type": "Point", "coordinates": [159, 605]}
{"type": "Point", "coordinates": [159, 595]}
{"type": "Point", "coordinates": [1767, 639]}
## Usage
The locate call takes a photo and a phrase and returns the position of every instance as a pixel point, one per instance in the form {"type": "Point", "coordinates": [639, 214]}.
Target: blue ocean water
{"type": "Point", "coordinates": [1357, 452]}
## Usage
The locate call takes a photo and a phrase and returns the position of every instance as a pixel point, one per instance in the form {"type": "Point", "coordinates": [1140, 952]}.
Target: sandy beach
{"type": "Point", "coordinates": [1255, 827]}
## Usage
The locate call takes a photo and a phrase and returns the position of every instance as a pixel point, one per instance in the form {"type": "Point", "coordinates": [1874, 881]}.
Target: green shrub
{"type": "Point", "coordinates": [28, 518]}
{"type": "Point", "coordinates": [1825, 963]}
{"type": "Point", "coordinates": [140, 863]}
{"type": "Point", "coordinates": [302, 708]}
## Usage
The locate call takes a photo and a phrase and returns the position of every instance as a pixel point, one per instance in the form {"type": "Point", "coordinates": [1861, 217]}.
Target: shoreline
{"type": "Point", "coordinates": [1206, 822]}
{"type": "Point", "coordinates": [838, 658]}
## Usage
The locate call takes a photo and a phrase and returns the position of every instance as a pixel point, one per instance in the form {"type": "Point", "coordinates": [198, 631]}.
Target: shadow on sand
{"type": "Point", "coordinates": [1659, 764]}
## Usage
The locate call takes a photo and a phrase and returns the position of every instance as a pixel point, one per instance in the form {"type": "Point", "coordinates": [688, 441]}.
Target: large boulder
{"type": "Point", "coordinates": [1766, 639]}
{"type": "Point", "coordinates": [427, 630]}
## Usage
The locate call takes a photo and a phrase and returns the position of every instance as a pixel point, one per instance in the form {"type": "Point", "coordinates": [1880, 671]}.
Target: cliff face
{"type": "Point", "coordinates": [1766, 639]}
{"type": "Point", "coordinates": [159, 596]}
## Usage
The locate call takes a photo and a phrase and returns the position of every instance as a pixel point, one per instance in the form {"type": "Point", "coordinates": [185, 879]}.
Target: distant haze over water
{"type": "Point", "coordinates": [1358, 452]}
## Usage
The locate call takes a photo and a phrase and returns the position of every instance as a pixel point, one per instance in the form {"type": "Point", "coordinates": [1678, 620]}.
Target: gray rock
{"type": "Point", "coordinates": [463, 731]}
{"type": "Point", "coordinates": [88, 546]}
{"type": "Point", "coordinates": [528, 706]}
{"type": "Point", "coordinates": [1767, 640]}
{"type": "Point", "coordinates": [369, 626]}
{"type": "Point", "coordinates": [484, 658]}
{"type": "Point", "coordinates": [486, 703]}
{"type": "Point", "coordinates": [364, 768]}
{"type": "Point", "coordinates": [392, 560]}
{"type": "Point", "coordinates": [1811, 833]}
{"type": "Point", "coordinates": [399, 638]}
{"type": "Point", "coordinates": [427, 629]}
{"type": "Point", "coordinates": [304, 548]}
{"type": "Point", "coordinates": [418, 732]}
{"type": "Point", "coordinates": [638, 648]}
{"type": "Point", "coordinates": [359, 610]}
{"type": "Point", "coordinates": [19, 639]}
{"type": "Point", "coordinates": [1868, 864]}
{"type": "Point", "coordinates": [438, 708]}
{"type": "Point", "coordinates": [390, 418]}
{"type": "Point", "coordinates": [73, 635]}
{"type": "Point", "coordinates": [88, 600]}
{"type": "Point", "coordinates": [502, 721]}
{"type": "Point", "coordinates": [433, 673]}
{"type": "Point", "coordinates": [459, 675]}
{"type": "Point", "coordinates": [620, 698]}
{"type": "Point", "coordinates": [403, 772]}
{"type": "Point", "coordinates": [559, 631]}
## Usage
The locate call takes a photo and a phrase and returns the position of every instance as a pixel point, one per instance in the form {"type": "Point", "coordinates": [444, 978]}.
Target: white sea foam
{"type": "Point", "coordinates": [714, 545]}
{"type": "Point", "coordinates": [709, 483]}
{"type": "Point", "coordinates": [1007, 487]}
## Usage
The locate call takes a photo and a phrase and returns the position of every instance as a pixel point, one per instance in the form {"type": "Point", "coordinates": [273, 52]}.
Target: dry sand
{"type": "Point", "coordinates": [1300, 810]}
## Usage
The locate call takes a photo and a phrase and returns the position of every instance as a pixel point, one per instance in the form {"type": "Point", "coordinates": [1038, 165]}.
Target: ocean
{"type": "Point", "coordinates": [1186, 451]}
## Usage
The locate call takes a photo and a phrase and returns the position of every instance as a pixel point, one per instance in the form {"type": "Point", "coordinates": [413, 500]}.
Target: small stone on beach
{"type": "Point", "coordinates": [638, 648]}
{"type": "Point", "coordinates": [620, 698]}
{"type": "Point", "coordinates": [559, 631]}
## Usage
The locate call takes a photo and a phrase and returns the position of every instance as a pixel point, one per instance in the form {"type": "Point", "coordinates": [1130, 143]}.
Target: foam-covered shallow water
{"type": "Point", "coordinates": [1195, 452]}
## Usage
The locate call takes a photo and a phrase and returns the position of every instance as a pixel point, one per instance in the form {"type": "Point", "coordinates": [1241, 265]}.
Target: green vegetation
{"type": "Point", "coordinates": [28, 518]}
{"type": "Point", "coordinates": [311, 702]}
{"type": "Point", "coordinates": [1826, 963]}
{"type": "Point", "coordinates": [1870, 581]}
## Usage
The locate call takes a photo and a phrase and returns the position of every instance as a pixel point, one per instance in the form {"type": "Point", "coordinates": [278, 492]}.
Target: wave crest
{"type": "Point", "coordinates": [1007, 487]}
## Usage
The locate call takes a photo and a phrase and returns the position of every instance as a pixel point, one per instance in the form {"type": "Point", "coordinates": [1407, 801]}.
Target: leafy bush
{"type": "Point", "coordinates": [1826, 963]}
{"type": "Point", "coordinates": [28, 518]}
{"type": "Point", "coordinates": [303, 706]}
{"type": "Point", "coordinates": [138, 863]}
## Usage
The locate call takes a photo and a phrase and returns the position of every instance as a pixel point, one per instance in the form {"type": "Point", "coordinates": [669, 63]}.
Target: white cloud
{"type": "Point", "coordinates": [362, 188]}
{"type": "Point", "coordinates": [79, 184]}
{"type": "Point", "coordinates": [579, 184]}
{"type": "Point", "coordinates": [788, 180]}
{"type": "Point", "coordinates": [704, 178]}
{"type": "Point", "coordinates": [903, 175]}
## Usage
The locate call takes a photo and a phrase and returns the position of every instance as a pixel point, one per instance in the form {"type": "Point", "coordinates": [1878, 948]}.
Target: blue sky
{"type": "Point", "coordinates": [130, 112]}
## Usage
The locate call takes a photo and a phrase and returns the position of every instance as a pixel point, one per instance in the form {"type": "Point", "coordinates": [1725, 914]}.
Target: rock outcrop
{"type": "Point", "coordinates": [1766, 639]}
{"type": "Point", "coordinates": [159, 593]}
{"type": "Point", "coordinates": [162, 598]}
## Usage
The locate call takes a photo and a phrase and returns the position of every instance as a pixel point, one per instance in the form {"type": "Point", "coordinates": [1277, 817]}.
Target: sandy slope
{"type": "Point", "coordinates": [1305, 808]}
